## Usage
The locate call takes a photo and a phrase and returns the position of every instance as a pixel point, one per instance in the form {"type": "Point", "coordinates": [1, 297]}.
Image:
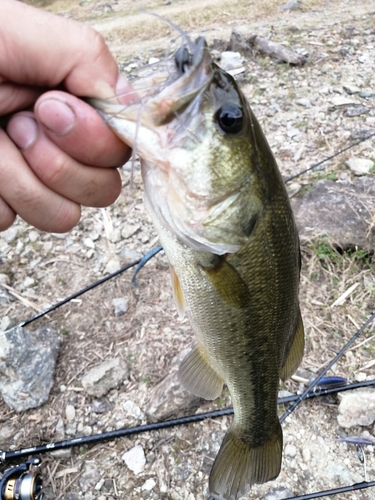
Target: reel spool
{"type": "Point", "coordinates": [21, 483]}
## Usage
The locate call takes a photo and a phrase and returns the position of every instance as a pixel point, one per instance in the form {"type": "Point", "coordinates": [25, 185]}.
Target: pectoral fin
{"type": "Point", "coordinates": [177, 293]}
{"type": "Point", "coordinates": [228, 283]}
{"type": "Point", "coordinates": [296, 352]}
{"type": "Point", "coordinates": [198, 377]}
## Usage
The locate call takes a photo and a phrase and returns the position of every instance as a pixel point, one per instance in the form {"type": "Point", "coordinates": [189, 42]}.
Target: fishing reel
{"type": "Point", "coordinates": [22, 483]}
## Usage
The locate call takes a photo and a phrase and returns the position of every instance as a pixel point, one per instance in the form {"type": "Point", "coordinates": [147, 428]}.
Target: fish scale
{"type": "Point", "coordinates": [219, 205]}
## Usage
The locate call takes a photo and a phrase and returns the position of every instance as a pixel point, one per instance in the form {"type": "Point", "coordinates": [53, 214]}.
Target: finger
{"type": "Point", "coordinates": [82, 184]}
{"type": "Point", "coordinates": [7, 215]}
{"type": "Point", "coordinates": [14, 97]}
{"type": "Point", "coordinates": [73, 53]}
{"type": "Point", "coordinates": [79, 130]}
{"type": "Point", "coordinates": [29, 197]}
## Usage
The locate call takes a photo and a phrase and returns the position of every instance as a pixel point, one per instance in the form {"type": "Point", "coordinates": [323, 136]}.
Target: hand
{"type": "Point", "coordinates": [57, 156]}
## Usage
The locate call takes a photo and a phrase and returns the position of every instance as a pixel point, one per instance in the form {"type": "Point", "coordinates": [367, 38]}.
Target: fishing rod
{"type": "Point", "coordinates": [26, 481]}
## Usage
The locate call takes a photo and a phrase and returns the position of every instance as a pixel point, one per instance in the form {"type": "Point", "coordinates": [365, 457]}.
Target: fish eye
{"type": "Point", "coordinates": [182, 59]}
{"type": "Point", "coordinates": [230, 118]}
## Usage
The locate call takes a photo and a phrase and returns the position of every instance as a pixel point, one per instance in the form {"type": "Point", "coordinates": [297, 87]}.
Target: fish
{"type": "Point", "coordinates": [218, 202]}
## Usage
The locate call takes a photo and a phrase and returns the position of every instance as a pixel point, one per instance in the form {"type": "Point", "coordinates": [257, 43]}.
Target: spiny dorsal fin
{"type": "Point", "coordinates": [296, 352]}
{"type": "Point", "coordinates": [177, 293]}
{"type": "Point", "coordinates": [198, 377]}
{"type": "Point", "coordinates": [228, 283]}
{"type": "Point", "coordinates": [239, 465]}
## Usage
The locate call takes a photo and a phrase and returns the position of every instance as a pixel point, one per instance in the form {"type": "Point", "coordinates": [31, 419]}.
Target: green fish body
{"type": "Point", "coordinates": [218, 202]}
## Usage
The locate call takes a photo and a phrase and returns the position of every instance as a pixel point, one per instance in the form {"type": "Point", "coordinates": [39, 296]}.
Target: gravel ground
{"type": "Point", "coordinates": [307, 114]}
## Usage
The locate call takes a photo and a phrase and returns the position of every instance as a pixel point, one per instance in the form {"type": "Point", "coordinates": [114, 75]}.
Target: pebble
{"type": "Point", "coordinates": [359, 166]}
{"type": "Point", "coordinates": [70, 413]}
{"type": "Point", "coordinates": [129, 230]}
{"type": "Point", "coordinates": [149, 485]}
{"type": "Point", "coordinates": [88, 243]}
{"type": "Point", "coordinates": [115, 235]}
{"type": "Point", "coordinates": [112, 266]}
{"type": "Point", "coordinates": [4, 279]}
{"type": "Point", "coordinates": [231, 60]}
{"type": "Point", "coordinates": [290, 450]}
{"type": "Point", "coordinates": [105, 376]}
{"type": "Point", "coordinates": [121, 305]}
{"type": "Point", "coordinates": [10, 234]}
{"type": "Point", "coordinates": [33, 236]}
{"type": "Point", "coordinates": [130, 408]}
{"type": "Point", "coordinates": [135, 459]}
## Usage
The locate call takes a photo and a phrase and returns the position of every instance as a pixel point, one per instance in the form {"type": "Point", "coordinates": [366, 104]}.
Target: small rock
{"type": "Point", "coordinates": [115, 235]}
{"type": "Point", "coordinates": [306, 103]}
{"type": "Point", "coordinates": [359, 166]}
{"type": "Point", "coordinates": [112, 266]}
{"type": "Point", "coordinates": [101, 406]}
{"type": "Point", "coordinates": [279, 494]}
{"type": "Point", "coordinates": [87, 242]}
{"type": "Point", "coordinates": [33, 236]}
{"type": "Point", "coordinates": [342, 102]}
{"type": "Point", "coordinates": [10, 234]}
{"type": "Point", "coordinates": [231, 60]}
{"type": "Point", "coordinates": [6, 323]}
{"type": "Point", "coordinates": [130, 408]}
{"type": "Point", "coordinates": [4, 279]}
{"type": "Point", "coordinates": [5, 297]}
{"type": "Point", "coordinates": [29, 281]}
{"type": "Point", "coordinates": [149, 485]}
{"type": "Point", "coordinates": [153, 60]}
{"type": "Point", "coordinates": [7, 431]}
{"type": "Point", "coordinates": [89, 479]}
{"type": "Point", "coordinates": [290, 450]}
{"type": "Point", "coordinates": [356, 408]}
{"type": "Point", "coordinates": [105, 376]}
{"type": "Point", "coordinates": [70, 413]}
{"type": "Point", "coordinates": [129, 230]}
{"type": "Point", "coordinates": [356, 111]}
{"type": "Point", "coordinates": [59, 430]}
{"type": "Point", "coordinates": [121, 305]}
{"type": "Point", "coordinates": [135, 459]}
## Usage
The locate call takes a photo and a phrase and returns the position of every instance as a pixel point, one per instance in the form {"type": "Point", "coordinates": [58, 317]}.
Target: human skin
{"type": "Point", "coordinates": [56, 153]}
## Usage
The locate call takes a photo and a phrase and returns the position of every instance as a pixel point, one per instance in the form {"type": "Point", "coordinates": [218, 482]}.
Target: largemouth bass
{"type": "Point", "coordinates": [218, 201]}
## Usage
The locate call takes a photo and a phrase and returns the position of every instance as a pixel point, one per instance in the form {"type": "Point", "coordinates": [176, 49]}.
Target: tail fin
{"type": "Point", "coordinates": [238, 465]}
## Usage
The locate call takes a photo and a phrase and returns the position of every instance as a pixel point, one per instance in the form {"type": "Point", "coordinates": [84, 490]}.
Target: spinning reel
{"type": "Point", "coordinates": [21, 482]}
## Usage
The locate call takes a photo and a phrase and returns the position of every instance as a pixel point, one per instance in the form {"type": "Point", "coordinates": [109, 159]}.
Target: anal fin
{"type": "Point", "coordinates": [177, 293]}
{"type": "Point", "coordinates": [239, 465]}
{"type": "Point", "coordinates": [296, 352]}
{"type": "Point", "coordinates": [198, 377]}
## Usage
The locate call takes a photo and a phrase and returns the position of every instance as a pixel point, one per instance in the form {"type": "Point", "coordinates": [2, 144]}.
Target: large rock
{"type": "Point", "coordinates": [169, 398]}
{"type": "Point", "coordinates": [27, 366]}
{"type": "Point", "coordinates": [106, 376]}
{"type": "Point", "coordinates": [342, 211]}
{"type": "Point", "coordinates": [356, 408]}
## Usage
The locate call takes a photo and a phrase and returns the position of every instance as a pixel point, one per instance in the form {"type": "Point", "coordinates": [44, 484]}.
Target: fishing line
{"type": "Point", "coordinates": [288, 179]}
{"type": "Point", "coordinates": [328, 367]}
{"type": "Point", "coordinates": [128, 431]}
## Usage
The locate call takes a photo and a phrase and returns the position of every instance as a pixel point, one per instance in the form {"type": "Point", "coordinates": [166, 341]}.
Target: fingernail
{"type": "Point", "coordinates": [23, 130]}
{"type": "Point", "coordinates": [124, 91]}
{"type": "Point", "coordinates": [56, 116]}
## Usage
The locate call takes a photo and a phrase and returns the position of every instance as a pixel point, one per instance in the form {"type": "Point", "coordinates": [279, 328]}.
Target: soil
{"type": "Point", "coordinates": [296, 110]}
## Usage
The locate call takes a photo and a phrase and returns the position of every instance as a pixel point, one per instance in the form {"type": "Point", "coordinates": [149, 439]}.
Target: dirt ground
{"type": "Point", "coordinates": [339, 37]}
